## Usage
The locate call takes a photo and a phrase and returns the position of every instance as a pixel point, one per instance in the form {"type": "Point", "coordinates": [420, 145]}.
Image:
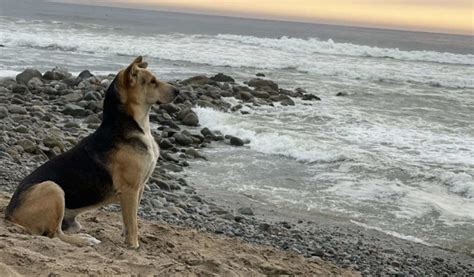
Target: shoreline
{"type": "Point", "coordinates": [44, 115]}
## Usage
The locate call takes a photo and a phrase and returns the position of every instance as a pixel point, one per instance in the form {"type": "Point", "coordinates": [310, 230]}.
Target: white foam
{"type": "Point", "coordinates": [392, 233]}
{"type": "Point", "coordinates": [306, 55]}
{"type": "Point", "coordinates": [266, 141]}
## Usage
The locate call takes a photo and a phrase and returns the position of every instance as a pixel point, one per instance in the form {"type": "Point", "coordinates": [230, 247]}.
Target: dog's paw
{"type": "Point", "coordinates": [89, 240]}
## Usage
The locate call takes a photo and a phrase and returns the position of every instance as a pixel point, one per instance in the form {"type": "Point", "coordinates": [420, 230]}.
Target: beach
{"type": "Point", "coordinates": [47, 115]}
{"type": "Point", "coordinates": [338, 144]}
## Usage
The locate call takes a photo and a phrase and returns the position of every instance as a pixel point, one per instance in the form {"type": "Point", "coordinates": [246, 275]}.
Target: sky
{"type": "Point", "coordinates": [446, 16]}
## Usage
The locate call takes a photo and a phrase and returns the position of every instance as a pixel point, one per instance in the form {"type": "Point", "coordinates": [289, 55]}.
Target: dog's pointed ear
{"type": "Point", "coordinates": [131, 71]}
{"type": "Point", "coordinates": [143, 65]}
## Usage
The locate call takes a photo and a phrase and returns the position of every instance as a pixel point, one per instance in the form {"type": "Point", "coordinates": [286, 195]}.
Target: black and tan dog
{"type": "Point", "coordinates": [111, 165]}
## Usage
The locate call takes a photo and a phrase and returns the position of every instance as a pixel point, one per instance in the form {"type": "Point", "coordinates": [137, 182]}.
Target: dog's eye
{"type": "Point", "coordinates": [154, 82]}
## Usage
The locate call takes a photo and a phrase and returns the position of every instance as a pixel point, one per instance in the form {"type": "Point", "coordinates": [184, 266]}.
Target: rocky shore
{"type": "Point", "coordinates": [44, 114]}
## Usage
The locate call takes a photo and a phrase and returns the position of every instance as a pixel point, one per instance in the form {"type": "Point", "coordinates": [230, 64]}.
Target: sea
{"type": "Point", "coordinates": [396, 154]}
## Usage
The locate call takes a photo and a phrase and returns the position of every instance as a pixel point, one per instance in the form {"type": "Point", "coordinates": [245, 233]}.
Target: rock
{"type": "Point", "coordinates": [86, 74]}
{"type": "Point", "coordinates": [223, 78]}
{"type": "Point", "coordinates": [74, 110]}
{"type": "Point", "coordinates": [197, 80]}
{"type": "Point", "coordinates": [92, 96]}
{"type": "Point", "coordinates": [56, 74]}
{"type": "Point", "coordinates": [236, 107]}
{"type": "Point", "coordinates": [309, 97]}
{"type": "Point", "coordinates": [190, 119]}
{"type": "Point", "coordinates": [27, 145]}
{"type": "Point", "coordinates": [260, 75]}
{"type": "Point", "coordinates": [35, 82]}
{"type": "Point", "coordinates": [165, 144]}
{"type": "Point", "coordinates": [195, 154]}
{"type": "Point", "coordinates": [208, 133]}
{"type": "Point", "coordinates": [206, 104]}
{"type": "Point", "coordinates": [72, 97]}
{"type": "Point", "coordinates": [19, 88]}
{"type": "Point", "coordinates": [92, 119]}
{"type": "Point", "coordinates": [3, 112]}
{"type": "Point", "coordinates": [183, 139]}
{"type": "Point", "coordinates": [264, 227]}
{"type": "Point", "coordinates": [51, 142]}
{"type": "Point", "coordinates": [259, 83]}
{"type": "Point", "coordinates": [170, 108]}
{"type": "Point", "coordinates": [342, 93]}
{"type": "Point", "coordinates": [287, 102]}
{"type": "Point", "coordinates": [27, 75]}
{"type": "Point", "coordinates": [300, 90]}
{"type": "Point", "coordinates": [17, 109]}
{"type": "Point", "coordinates": [245, 95]}
{"type": "Point", "coordinates": [235, 141]}
{"type": "Point", "coordinates": [245, 211]}
{"type": "Point", "coordinates": [260, 94]}
{"type": "Point", "coordinates": [22, 129]}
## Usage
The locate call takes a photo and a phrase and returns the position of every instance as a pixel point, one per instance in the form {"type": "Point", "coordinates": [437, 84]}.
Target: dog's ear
{"type": "Point", "coordinates": [143, 65]}
{"type": "Point", "coordinates": [130, 72]}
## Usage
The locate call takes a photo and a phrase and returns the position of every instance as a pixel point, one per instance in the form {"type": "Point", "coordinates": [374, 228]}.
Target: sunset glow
{"type": "Point", "coordinates": [452, 16]}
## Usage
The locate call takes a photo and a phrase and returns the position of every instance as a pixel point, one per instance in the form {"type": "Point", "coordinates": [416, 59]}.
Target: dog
{"type": "Point", "coordinates": [111, 165]}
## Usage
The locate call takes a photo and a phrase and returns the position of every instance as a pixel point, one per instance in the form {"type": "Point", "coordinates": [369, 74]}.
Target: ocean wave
{"type": "Point", "coordinates": [267, 141]}
{"type": "Point", "coordinates": [308, 56]}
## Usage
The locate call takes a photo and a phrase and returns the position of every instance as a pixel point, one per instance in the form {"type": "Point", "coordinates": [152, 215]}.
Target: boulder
{"type": "Point", "coordinates": [17, 109]}
{"type": "Point", "coordinates": [86, 74]}
{"type": "Point", "coordinates": [170, 108]}
{"type": "Point", "coordinates": [235, 141]}
{"type": "Point", "coordinates": [27, 75]}
{"type": "Point", "coordinates": [27, 145]}
{"type": "Point", "coordinates": [260, 75]}
{"type": "Point", "coordinates": [309, 97]}
{"type": "Point", "coordinates": [183, 139]}
{"type": "Point", "coordinates": [188, 117]}
{"type": "Point", "coordinates": [197, 80]}
{"type": "Point", "coordinates": [165, 144]}
{"type": "Point", "coordinates": [260, 94]}
{"type": "Point", "coordinates": [35, 82]}
{"type": "Point", "coordinates": [19, 88]}
{"type": "Point", "coordinates": [72, 97]}
{"type": "Point", "coordinates": [245, 95]}
{"type": "Point", "coordinates": [259, 83]}
{"type": "Point", "coordinates": [56, 74]}
{"type": "Point", "coordinates": [206, 104]}
{"type": "Point", "coordinates": [342, 93]}
{"type": "Point", "coordinates": [245, 211]}
{"type": "Point", "coordinates": [220, 77]}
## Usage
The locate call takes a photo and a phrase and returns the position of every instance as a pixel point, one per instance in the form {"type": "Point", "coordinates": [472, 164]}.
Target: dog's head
{"type": "Point", "coordinates": [138, 86]}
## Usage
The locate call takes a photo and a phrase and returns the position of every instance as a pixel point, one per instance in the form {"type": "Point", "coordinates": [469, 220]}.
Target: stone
{"type": "Point", "coordinates": [245, 211]}
{"type": "Point", "coordinates": [208, 133]}
{"type": "Point", "coordinates": [165, 144]}
{"type": "Point", "coordinates": [197, 80]}
{"type": "Point", "coordinates": [258, 83]}
{"type": "Point", "coordinates": [74, 110]}
{"type": "Point", "coordinates": [92, 119]}
{"type": "Point", "coordinates": [19, 88]}
{"type": "Point", "coordinates": [183, 139]}
{"type": "Point", "coordinates": [206, 104]}
{"type": "Point", "coordinates": [220, 77]}
{"type": "Point", "coordinates": [27, 75]}
{"type": "Point", "coordinates": [342, 93]}
{"type": "Point", "coordinates": [22, 129]}
{"type": "Point", "coordinates": [190, 119]}
{"type": "Point", "coordinates": [3, 112]}
{"type": "Point", "coordinates": [35, 82]}
{"type": "Point", "coordinates": [287, 102]}
{"type": "Point", "coordinates": [309, 97]}
{"type": "Point", "coordinates": [51, 142]}
{"type": "Point", "coordinates": [27, 145]}
{"type": "Point", "coordinates": [17, 109]}
{"type": "Point", "coordinates": [85, 74]}
{"type": "Point", "coordinates": [245, 95]}
{"type": "Point", "coordinates": [56, 74]}
{"type": "Point", "coordinates": [260, 94]}
{"type": "Point", "coordinates": [72, 97]}
{"type": "Point", "coordinates": [92, 96]}
{"type": "Point", "coordinates": [170, 108]}
{"type": "Point", "coordinates": [195, 154]}
{"type": "Point", "coordinates": [260, 75]}
{"type": "Point", "coordinates": [235, 141]}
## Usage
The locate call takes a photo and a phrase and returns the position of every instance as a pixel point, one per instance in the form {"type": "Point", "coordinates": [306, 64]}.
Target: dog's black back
{"type": "Point", "coordinates": [82, 172]}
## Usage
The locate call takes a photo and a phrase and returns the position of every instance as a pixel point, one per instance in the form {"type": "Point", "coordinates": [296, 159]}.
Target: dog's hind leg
{"type": "Point", "coordinates": [41, 212]}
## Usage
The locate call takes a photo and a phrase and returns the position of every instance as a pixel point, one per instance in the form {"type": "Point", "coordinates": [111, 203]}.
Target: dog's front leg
{"type": "Point", "coordinates": [129, 206]}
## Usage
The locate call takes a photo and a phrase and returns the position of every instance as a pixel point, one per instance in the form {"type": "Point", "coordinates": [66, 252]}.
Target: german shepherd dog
{"type": "Point", "coordinates": [111, 165]}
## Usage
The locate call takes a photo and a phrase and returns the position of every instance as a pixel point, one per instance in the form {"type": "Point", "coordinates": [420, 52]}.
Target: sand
{"type": "Point", "coordinates": [165, 250]}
